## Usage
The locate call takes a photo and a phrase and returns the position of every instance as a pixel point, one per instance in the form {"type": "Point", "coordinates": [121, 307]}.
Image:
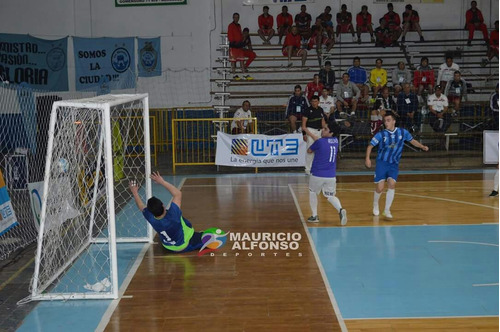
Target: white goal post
{"type": "Point", "coordinates": [96, 145]}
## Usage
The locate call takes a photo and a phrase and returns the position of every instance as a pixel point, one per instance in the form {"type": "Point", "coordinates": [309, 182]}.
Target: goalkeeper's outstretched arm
{"type": "Point", "coordinates": [134, 189]}
{"type": "Point", "coordinates": [176, 193]}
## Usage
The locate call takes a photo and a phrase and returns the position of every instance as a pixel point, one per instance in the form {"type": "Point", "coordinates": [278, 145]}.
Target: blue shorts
{"type": "Point", "coordinates": [385, 170]}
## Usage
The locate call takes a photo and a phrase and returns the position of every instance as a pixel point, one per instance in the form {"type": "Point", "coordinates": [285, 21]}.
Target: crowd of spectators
{"type": "Point", "coordinates": [411, 89]}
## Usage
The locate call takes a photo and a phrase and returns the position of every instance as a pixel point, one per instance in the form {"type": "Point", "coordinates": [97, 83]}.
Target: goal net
{"type": "Point", "coordinates": [95, 147]}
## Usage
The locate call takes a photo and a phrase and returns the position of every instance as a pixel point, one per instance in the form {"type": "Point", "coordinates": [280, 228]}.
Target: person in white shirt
{"type": "Point", "coordinates": [327, 103]}
{"type": "Point", "coordinates": [446, 71]}
{"type": "Point", "coordinates": [439, 118]}
{"type": "Point", "coordinates": [242, 126]}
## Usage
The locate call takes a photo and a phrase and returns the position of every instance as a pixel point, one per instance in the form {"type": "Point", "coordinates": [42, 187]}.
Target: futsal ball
{"type": "Point", "coordinates": [63, 165]}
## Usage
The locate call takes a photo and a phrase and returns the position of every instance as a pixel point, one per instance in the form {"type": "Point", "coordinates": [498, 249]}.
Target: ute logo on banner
{"type": "Point", "coordinates": [247, 150]}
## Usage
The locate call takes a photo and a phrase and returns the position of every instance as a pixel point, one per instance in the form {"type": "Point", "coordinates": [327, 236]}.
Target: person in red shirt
{"type": "Point", "coordinates": [303, 22]}
{"type": "Point", "coordinates": [266, 22]}
{"type": "Point", "coordinates": [364, 23]}
{"type": "Point", "coordinates": [423, 76]}
{"type": "Point", "coordinates": [493, 47]}
{"type": "Point", "coordinates": [236, 45]}
{"type": "Point", "coordinates": [393, 21]}
{"type": "Point", "coordinates": [283, 21]}
{"type": "Point", "coordinates": [314, 88]}
{"type": "Point", "coordinates": [344, 22]}
{"type": "Point", "coordinates": [292, 47]}
{"type": "Point", "coordinates": [411, 22]}
{"type": "Point", "coordinates": [474, 21]}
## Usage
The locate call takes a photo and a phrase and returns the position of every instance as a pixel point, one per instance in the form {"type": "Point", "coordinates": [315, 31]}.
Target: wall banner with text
{"type": "Point", "coordinates": [149, 53]}
{"type": "Point", "coordinates": [248, 150]}
{"type": "Point", "coordinates": [40, 63]}
{"type": "Point", "coordinates": [104, 61]}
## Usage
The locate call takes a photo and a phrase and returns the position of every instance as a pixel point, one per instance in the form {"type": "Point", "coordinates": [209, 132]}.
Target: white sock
{"type": "Point", "coordinates": [495, 179]}
{"type": "Point", "coordinates": [335, 202]}
{"type": "Point", "coordinates": [376, 197]}
{"type": "Point", "coordinates": [313, 203]}
{"type": "Point", "coordinates": [389, 198]}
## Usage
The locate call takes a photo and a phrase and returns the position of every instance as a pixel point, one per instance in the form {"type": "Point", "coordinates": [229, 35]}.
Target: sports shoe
{"type": "Point", "coordinates": [469, 43]}
{"type": "Point", "coordinates": [313, 219]}
{"type": "Point", "coordinates": [236, 78]}
{"type": "Point", "coordinates": [422, 38]}
{"type": "Point", "coordinates": [484, 62]}
{"type": "Point", "coordinates": [494, 193]}
{"type": "Point", "coordinates": [343, 217]}
{"type": "Point", "coordinates": [387, 214]}
{"type": "Point", "coordinates": [359, 40]}
{"type": "Point", "coordinates": [290, 64]}
{"type": "Point", "coordinates": [353, 113]}
{"type": "Point", "coordinates": [373, 39]}
{"type": "Point", "coordinates": [354, 38]}
{"type": "Point", "coordinates": [376, 212]}
{"type": "Point", "coordinates": [248, 77]}
{"type": "Point", "coordinates": [403, 39]}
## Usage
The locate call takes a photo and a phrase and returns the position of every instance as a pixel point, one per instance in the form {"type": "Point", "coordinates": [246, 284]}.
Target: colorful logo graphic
{"type": "Point", "coordinates": [212, 238]}
{"type": "Point", "coordinates": [239, 146]}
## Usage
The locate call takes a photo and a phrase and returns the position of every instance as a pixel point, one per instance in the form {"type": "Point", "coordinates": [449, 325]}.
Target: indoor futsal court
{"type": "Point", "coordinates": [217, 165]}
{"type": "Point", "coordinates": [434, 267]}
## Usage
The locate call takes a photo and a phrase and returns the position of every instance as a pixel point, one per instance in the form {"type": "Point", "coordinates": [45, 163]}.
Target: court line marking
{"type": "Point", "coordinates": [465, 242]}
{"type": "Point", "coordinates": [335, 305]}
{"type": "Point", "coordinates": [114, 303]}
{"type": "Point", "coordinates": [232, 185]}
{"type": "Point", "coordinates": [16, 274]}
{"type": "Point", "coordinates": [428, 197]}
{"type": "Point", "coordinates": [432, 317]}
{"type": "Point", "coordinates": [484, 285]}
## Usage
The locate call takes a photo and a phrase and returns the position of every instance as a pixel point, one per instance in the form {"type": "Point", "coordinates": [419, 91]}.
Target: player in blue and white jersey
{"type": "Point", "coordinates": [323, 170]}
{"type": "Point", "coordinates": [390, 147]}
{"type": "Point", "coordinates": [176, 232]}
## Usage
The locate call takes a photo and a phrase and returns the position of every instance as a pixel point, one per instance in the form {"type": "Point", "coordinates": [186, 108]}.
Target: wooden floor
{"type": "Point", "coordinates": [283, 291]}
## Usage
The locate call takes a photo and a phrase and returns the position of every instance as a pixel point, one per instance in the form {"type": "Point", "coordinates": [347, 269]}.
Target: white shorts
{"type": "Point", "coordinates": [327, 185]}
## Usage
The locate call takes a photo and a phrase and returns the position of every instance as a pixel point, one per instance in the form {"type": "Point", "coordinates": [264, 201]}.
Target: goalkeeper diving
{"type": "Point", "coordinates": [176, 233]}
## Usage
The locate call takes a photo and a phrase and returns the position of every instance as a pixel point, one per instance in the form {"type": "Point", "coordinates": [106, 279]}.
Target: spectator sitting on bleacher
{"type": "Point", "coordinates": [247, 51]}
{"type": "Point", "coordinates": [359, 76]}
{"type": "Point", "coordinates": [284, 22]}
{"type": "Point", "coordinates": [400, 76]}
{"type": "Point", "coordinates": [411, 22]}
{"type": "Point", "coordinates": [393, 21]}
{"type": "Point", "coordinates": [439, 118]}
{"type": "Point", "coordinates": [423, 77]}
{"type": "Point", "coordinates": [326, 21]}
{"type": "Point", "coordinates": [318, 38]}
{"type": "Point", "coordinates": [242, 126]}
{"type": "Point", "coordinates": [327, 103]}
{"type": "Point", "coordinates": [385, 37]}
{"type": "Point", "coordinates": [364, 23]}
{"type": "Point", "coordinates": [493, 47]}
{"type": "Point", "coordinates": [296, 105]}
{"type": "Point", "coordinates": [236, 45]}
{"type": "Point", "coordinates": [266, 22]}
{"type": "Point", "coordinates": [327, 76]}
{"type": "Point", "coordinates": [456, 89]}
{"type": "Point", "coordinates": [292, 47]}
{"type": "Point", "coordinates": [347, 95]}
{"type": "Point", "coordinates": [303, 22]}
{"type": "Point", "coordinates": [314, 88]}
{"type": "Point", "coordinates": [474, 21]}
{"type": "Point", "coordinates": [344, 22]}
{"type": "Point", "coordinates": [446, 71]}
{"type": "Point", "coordinates": [383, 104]}
{"type": "Point", "coordinates": [409, 116]}
{"type": "Point", "coordinates": [378, 77]}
